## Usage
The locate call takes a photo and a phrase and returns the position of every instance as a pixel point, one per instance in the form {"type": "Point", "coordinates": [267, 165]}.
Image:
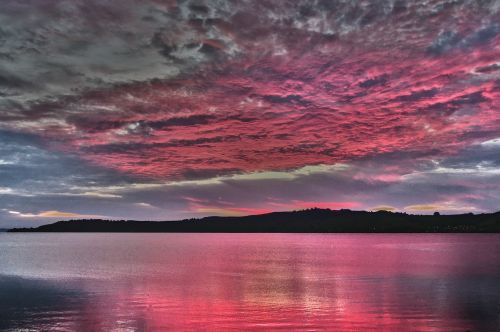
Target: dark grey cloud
{"type": "Point", "coordinates": [418, 95]}
{"type": "Point", "coordinates": [380, 80]}
{"type": "Point", "coordinates": [67, 46]}
{"type": "Point", "coordinates": [450, 40]}
{"type": "Point", "coordinates": [446, 40]}
{"type": "Point", "coordinates": [488, 69]}
{"type": "Point", "coordinates": [486, 154]}
{"type": "Point", "coordinates": [482, 35]}
{"type": "Point", "coordinates": [289, 99]}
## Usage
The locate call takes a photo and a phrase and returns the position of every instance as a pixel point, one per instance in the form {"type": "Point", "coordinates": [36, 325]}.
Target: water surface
{"type": "Point", "coordinates": [156, 282]}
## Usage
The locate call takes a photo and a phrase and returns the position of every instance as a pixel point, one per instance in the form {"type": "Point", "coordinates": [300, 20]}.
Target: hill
{"type": "Point", "coordinates": [305, 221]}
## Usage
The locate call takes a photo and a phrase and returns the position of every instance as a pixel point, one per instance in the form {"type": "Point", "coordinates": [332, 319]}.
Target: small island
{"type": "Point", "coordinates": [304, 221]}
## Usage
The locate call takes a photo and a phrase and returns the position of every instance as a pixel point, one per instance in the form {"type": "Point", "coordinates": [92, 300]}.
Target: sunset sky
{"type": "Point", "coordinates": [163, 109]}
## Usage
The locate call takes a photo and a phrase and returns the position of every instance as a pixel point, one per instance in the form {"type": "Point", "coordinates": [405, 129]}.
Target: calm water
{"type": "Point", "coordinates": [155, 282]}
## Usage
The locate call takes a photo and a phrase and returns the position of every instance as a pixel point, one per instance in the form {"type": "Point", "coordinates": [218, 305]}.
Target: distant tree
{"type": "Point", "coordinates": [436, 214]}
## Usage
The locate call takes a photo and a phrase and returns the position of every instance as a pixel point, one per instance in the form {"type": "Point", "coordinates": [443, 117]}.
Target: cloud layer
{"type": "Point", "coordinates": [118, 102]}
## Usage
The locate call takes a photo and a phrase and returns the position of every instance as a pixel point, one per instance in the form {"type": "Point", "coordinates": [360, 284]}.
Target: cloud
{"type": "Point", "coordinates": [4, 190]}
{"type": "Point", "coordinates": [423, 207]}
{"type": "Point", "coordinates": [28, 168]}
{"type": "Point", "coordinates": [144, 205]}
{"type": "Point", "coordinates": [450, 40]}
{"type": "Point", "coordinates": [106, 104]}
{"type": "Point", "coordinates": [452, 207]}
{"type": "Point", "coordinates": [53, 214]}
{"type": "Point", "coordinates": [383, 208]}
{"type": "Point", "coordinates": [491, 143]}
{"type": "Point", "coordinates": [360, 185]}
{"type": "Point", "coordinates": [444, 42]}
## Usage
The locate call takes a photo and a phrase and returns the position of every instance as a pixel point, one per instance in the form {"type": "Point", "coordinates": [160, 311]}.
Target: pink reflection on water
{"type": "Point", "coordinates": [313, 282]}
{"type": "Point", "coordinates": [350, 282]}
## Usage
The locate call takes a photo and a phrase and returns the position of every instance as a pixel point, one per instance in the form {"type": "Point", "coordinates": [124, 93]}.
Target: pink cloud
{"type": "Point", "coordinates": [324, 101]}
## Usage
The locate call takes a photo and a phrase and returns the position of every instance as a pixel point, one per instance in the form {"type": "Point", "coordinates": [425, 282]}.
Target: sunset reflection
{"type": "Point", "coordinates": [348, 282]}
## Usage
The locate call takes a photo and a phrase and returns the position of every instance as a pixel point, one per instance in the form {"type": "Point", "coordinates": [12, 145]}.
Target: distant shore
{"type": "Point", "coordinates": [304, 221]}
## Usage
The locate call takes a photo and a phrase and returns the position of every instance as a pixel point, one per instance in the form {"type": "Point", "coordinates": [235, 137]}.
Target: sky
{"type": "Point", "coordinates": [163, 110]}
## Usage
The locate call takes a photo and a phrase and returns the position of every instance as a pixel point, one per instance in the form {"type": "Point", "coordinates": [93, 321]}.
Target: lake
{"type": "Point", "coordinates": [341, 282]}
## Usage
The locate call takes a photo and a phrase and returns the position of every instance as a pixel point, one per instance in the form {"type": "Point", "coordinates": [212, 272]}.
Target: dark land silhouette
{"type": "Point", "coordinates": [304, 221]}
